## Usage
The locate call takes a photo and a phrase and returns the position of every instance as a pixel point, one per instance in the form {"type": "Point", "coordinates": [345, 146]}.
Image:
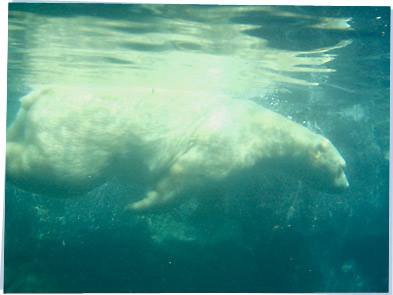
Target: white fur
{"type": "Point", "coordinates": [66, 141]}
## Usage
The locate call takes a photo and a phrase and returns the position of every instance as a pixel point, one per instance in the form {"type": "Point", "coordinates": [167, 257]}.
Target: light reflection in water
{"type": "Point", "coordinates": [178, 47]}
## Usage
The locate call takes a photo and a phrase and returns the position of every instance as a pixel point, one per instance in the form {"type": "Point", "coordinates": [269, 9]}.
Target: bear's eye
{"type": "Point", "coordinates": [322, 147]}
{"type": "Point", "coordinates": [319, 150]}
{"type": "Point", "coordinates": [317, 154]}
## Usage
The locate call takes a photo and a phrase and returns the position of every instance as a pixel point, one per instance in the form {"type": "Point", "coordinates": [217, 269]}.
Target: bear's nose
{"type": "Point", "coordinates": [342, 182]}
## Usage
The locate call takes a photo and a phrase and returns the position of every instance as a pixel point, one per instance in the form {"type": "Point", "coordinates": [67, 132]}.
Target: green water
{"type": "Point", "coordinates": [325, 67]}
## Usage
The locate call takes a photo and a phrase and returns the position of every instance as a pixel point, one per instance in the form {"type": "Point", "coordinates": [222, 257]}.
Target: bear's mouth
{"type": "Point", "coordinates": [341, 182]}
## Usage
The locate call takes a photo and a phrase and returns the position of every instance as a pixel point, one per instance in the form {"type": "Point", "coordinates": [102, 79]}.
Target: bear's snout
{"type": "Point", "coordinates": [341, 183]}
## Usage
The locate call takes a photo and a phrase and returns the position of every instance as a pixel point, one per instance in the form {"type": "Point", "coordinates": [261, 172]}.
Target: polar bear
{"type": "Point", "coordinates": [69, 140]}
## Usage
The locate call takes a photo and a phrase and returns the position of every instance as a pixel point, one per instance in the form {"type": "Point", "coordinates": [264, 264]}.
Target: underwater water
{"type": "Point", "coordinates": [326, 68]}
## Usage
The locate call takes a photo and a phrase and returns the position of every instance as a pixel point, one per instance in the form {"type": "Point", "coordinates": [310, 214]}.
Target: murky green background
{"type": "Point", "coordinates": [325, 67]}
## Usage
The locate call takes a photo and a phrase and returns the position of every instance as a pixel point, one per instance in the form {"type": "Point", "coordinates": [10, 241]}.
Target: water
{"type": "Point", "coordinates": [325, 67]}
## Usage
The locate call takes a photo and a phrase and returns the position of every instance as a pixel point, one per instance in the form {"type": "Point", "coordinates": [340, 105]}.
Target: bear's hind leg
{"type": "Point", "coordinates": [14, 158]}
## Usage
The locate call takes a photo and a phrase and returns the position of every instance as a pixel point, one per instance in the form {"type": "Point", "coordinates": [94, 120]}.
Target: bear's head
{"type": "Point", "coordinates": [325, 171]}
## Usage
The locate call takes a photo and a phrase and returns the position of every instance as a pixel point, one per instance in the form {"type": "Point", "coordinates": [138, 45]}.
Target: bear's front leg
{"type": "Point", "coordinates": [166, 193]}
{"type": "Point", "coordinates": [192, 171]}
{"type": "Point", "coordinates": [187, 173]}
